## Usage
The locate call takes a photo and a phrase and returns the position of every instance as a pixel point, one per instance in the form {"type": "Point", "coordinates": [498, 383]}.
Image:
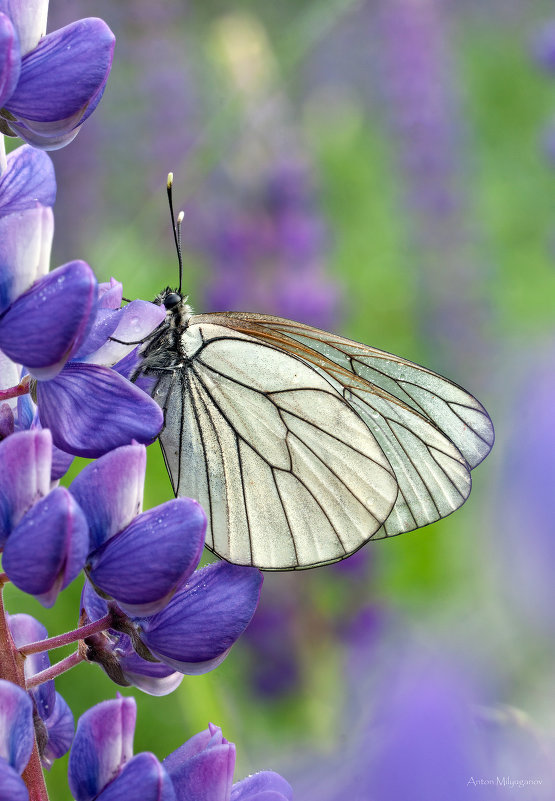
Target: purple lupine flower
{"type": "Point", "coordinates": [115, 653]}
{"type": "Point", "coordinates": [50, 329]}
{"type": "Point", "coordinates": [50, 84]}
{"type": "Point", "coordinates": [543, 46]}
{"type": "Point", "coordinates": [266, 252]}
{"type": "Point", "coordinates": [102, 766]}
{"type": "Point", "coordinates": [24, 476]}
{"type": "Point", "coordinates": [48, 547]}
{"type": "Point", "coordinates": [17, 738]}
{"type": "Point", "coordinates": [54, 723]}
{"type": "Point", "coordinates": [120, 560]}
{"type": "Point", "coordinates": [27, 193]}
{"type": "Point", "coordinates": [426, 120]}
{"type": "Point", "coordinates": [208, 613]}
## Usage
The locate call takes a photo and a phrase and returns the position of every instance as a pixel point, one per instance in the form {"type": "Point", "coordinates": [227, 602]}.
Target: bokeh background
{"type": "Point", "coordinates": [384, 169]}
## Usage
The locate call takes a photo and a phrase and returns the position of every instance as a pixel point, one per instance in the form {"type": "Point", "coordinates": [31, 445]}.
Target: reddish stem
{"type": "Point", "coordinates": [56, 670]}
{"type": "Point", "coordinates": [68, 637]}
{"type": "Point", "coordinates": [14, 392]}
{"type": "Point", "coordinates": [11, 668]}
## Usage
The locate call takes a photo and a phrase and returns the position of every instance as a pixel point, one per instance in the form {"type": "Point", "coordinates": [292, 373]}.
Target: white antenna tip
{"type": "Point", "coordinates": [180, 217]}
{"type": "Point", "coordinates": [170, 180]}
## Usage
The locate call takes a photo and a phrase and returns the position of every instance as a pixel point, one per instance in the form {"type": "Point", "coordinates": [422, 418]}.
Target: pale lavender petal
{"type": "Point", "coordinates": [125, 570]}
{"type": "Point", "coordinates": [29, 19]}
{"type": "Point", "coordinates": [25, 459]}
{"type": "Point", "coordinates": [26, 629]}
{"type": "Point", "coordinates": [60, 727]}
{"type": "Point", "coordinates": [104, 325]}
{"type": "Point", "coordinates": [10, 58]}
{"type": "Point", "coordinates": [143, 777]}
{"type": "Point", "coordinates": [25, 243]}
{"type": "Point", "coordinates": [9, 377]}
{"type": "Point", "coordinates": [103, 744]}
{"type": "Point", "coordinates": [110, 491]}
{"type": "Point", "coordinates": [28, 181]}
{"type": "Point", "coordinates": [43, 326]}
{"type": "Point", "coordinates": [110, 294]}
{"type": "Point", "coordinates": [48, 548]}
{"type": "Point", "coordinates": [263, 786]}
{"type": "Point", "coordinates": [17, 736]}
{"type": "Point", "coordinates": [91, 410]}
{"type": "Point", "coordinates": [63, 78]}
{"type": "Point", "coordinates": [202, 621]}
{"type": "Point", "coordinates": [137, 320]}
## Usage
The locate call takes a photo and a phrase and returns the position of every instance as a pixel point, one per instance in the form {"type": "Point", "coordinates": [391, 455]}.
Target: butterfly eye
{"type": "Point", "coordinates": [172, 300]}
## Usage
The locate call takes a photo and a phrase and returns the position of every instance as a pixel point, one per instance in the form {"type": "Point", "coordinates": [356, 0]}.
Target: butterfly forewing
{"type": "Point", "coordinates": [289, 473]}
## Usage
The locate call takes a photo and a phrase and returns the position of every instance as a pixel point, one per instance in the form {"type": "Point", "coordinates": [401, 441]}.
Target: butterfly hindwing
{"type": "Point", "coordinates": [288, 472]}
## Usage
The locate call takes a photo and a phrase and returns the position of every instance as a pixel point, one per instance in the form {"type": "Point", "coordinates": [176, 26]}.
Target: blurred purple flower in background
{"type": "Point", "coordinates": [425, 114]}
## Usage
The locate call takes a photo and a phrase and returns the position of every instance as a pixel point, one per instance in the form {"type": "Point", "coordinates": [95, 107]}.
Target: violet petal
{"type": "Point", "coordinates": [25, 459]}
{"type": "Point", "coordinates": [110, 491]}
{"type": "Point", "coordinates": [125, 569]}
{"type": "Point", "coordinates": [203, 775]}
{"type": "Point", "coordinates": [17, 736]}
{"type": "Point", "coordinates": [48, 548]}
{"type": "Point", "coordinates": [91, 410]}
{"type": "Point", "coordinates": [63, 77]}
{"type": "Point", "coordinates": [12, 786]}
{"type": "Point", "coordinates": [143, 777]}
{"type": "Point", "coordinates": [136, 321]}
{"type": "Point", "coordinates": [25, 243]}
{"type": "Point", "coordinates": [44, 325]}
{"type": "Point", "coordinates": [103, 744]}
{"type": "Point", "coordinates": [203, 619]}
{"type": "Point", "coordinates": [28, 181]}
{"type": "Point", "coordinates": [110, 294]}
{"type": "Point", "coordinates": [60, 727]}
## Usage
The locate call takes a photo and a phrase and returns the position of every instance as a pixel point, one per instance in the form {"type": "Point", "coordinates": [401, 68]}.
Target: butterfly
{"type": "Point", "coordinates": [302, 445]}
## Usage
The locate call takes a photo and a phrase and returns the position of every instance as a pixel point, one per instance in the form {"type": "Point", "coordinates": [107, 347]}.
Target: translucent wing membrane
{"type": "Point", "coordinates": [301, 446]}
{"type": "Point", "coordinates": [453, 410]}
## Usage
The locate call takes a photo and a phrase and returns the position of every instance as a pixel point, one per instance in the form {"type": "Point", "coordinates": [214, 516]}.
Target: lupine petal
{"type": "Point", "coordinates": [10, 58]}
{"type": "Point", "coordinates": [129, 364]}
{"type": "Point", "coordinates": [110, 491]}
{"type": "Point", "coordinates": [45, 135]}
{"type": "Point", "coordinates": [43, 326]}
{"type": "Point", "coordinates": [205, 776]}
{"type": "Point", "coordinates": [17, 735]}
{"type": "Point", "coordinates": [48, 548]}
{"type": "Point", "coordinates": [110, 294]}
{"type": "Point", "coordinates": [12, 787]}
{"type": "Point", "coordinates": [9, 377]}
{"type": "Point", "coordinates": [91, 410]}
{"type": "Point", "coordinates": [143, 777]}
{"type": "Point", "coordinates": [202, 621]}
{"type": "Point", "coordinates": [25, 459]}
{"type": "Point", "coordinates": [29, 19]}
{"type": "Point", "coordinates": [25, 242]}
{"type": "Point", "coordinates": [263, 786]}
{"type": "Point", "coordinates": [64, 75]}
{"type": "Point", "coordinates": [28, 180]}
{"type": "Point", "coordinates": [60, 727]}
{"type": "Point", "coordinates": [103, 744]}
{"type": "Point", "coordinates": [26, 629]}
{"type": "Point", "coordinates": [125, 569]}
{"type": "Point", "coordinates": [136, 321]}
{"type": "Point", "coordinates": [104, 325]}
{"type": "Point", "coordinates": [27, 191]}
{"type": "Point", "coordinates": [61, 462]}
{"type": "Point", "coordinates": [7, 420]}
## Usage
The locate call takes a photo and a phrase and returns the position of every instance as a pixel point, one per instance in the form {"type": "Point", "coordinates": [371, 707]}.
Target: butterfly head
{"type": "Point", "coordinates": [177, 308]}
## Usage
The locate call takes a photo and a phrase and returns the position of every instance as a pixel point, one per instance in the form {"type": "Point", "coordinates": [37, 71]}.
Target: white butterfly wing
{"type": "Point", "coordinates": [431, 430]}
{"type": "Point", "coordinates": [288, 473]}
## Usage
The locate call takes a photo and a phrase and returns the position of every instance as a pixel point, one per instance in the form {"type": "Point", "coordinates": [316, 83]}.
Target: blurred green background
{"type": "Point", "coordinates": [217, 92]}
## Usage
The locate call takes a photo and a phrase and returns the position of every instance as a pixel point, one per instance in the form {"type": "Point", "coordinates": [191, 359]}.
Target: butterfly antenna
{"type": "Point", "coordinates": [176, 228]}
